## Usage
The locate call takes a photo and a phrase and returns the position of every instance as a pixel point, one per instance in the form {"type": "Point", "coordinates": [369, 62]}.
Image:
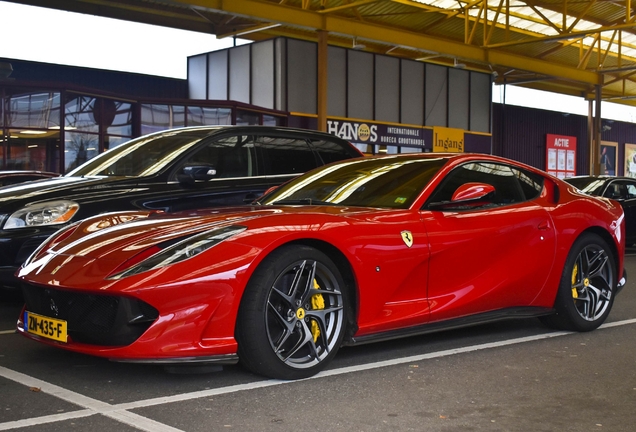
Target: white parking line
{"type": "Point", "coordinates": [93, 406]}
{"type": "Point", "coordinates": [3, 332]}
{"type": "Point", "coordinates": [120, 412]}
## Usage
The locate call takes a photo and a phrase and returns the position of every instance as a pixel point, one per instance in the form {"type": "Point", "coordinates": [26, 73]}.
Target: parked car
{"type": "Point", "coordinates": [357, 251]}
{"type": "Point", "coordinates": [622, 189]}
{"type": "Point", "coordinates": [171, 170]}
{"type": "Point", "coordinates": [10, 177]}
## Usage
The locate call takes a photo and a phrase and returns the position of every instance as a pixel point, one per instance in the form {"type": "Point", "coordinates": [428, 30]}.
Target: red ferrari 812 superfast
{"type": "Point", "coordinates": [357, 251]}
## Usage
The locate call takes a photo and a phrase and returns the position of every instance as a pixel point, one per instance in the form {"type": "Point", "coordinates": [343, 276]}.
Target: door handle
{"type": "Point", "coordinates": [544, 225]}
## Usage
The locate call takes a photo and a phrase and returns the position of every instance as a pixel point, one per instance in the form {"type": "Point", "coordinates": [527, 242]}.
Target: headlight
{"type": "Point", "coordinates": [158, 256]}
{"type": "Point", "coordinates": [40, 214]}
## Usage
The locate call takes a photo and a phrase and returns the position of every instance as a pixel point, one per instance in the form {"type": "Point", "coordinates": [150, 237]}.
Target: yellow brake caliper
{"type": "Point", "coordinates": [575, 271]}
{"type": "Point", "coordinates": [317, 303]}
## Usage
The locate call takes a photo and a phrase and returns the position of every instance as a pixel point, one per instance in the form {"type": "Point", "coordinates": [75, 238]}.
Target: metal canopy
{"type": "Point", "coordinates": [564, 46]}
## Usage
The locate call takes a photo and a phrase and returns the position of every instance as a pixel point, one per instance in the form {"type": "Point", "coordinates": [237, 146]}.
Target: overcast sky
{"type": "Point", "coordinates": [52, 36]}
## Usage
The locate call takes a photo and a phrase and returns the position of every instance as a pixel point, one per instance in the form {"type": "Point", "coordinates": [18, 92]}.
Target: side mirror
{"type": "Point", "coordinates": [468, 194]}
{"type": "Point", "coordinates": [472, 191]}
{"type": "Point", "coordinates": [192, 173]}
{"type": "Point", "coordinates": [272, 189]}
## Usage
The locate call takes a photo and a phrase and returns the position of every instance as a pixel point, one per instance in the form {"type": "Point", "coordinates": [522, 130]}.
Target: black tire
{"type": "Point", "coordinates": [588, 284]}
{"type": "Point", "coordinates": [293, 314]}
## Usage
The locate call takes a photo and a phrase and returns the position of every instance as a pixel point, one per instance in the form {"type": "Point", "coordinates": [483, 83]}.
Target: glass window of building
{"type": "Point", "coordinates": [81, 128]}
{"type": "Point", "coordinates": [60, 129]}
{"type": "Point", "coordinates": [78, 148]}
{"type": "Point", "coordinates": [202, 116]}
{"type": "Point", "coordinates": [270, 120]}
{"type": "Point", "coordinates": [244, 118]}
{"type": "Point", "coordinates": [31, 139]}
{"type": "Point", "coordinates": [81, 113]}
{"type": "Point", "coordinates": [117, 119]}
{"type": "Point", "coordinates": [157, 117]}
{"type": "Point", "coordinates": [34, 110]}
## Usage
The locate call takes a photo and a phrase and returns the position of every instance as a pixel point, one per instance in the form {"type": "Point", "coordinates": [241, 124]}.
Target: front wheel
{"type": "Point", "coordinates": [292, 316]}
{"type": "Point", "coordinates": [587, 288]}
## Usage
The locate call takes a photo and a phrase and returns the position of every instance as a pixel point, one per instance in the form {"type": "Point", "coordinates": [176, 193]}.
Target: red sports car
{"type": "Point", "coordinates": [353, 252]}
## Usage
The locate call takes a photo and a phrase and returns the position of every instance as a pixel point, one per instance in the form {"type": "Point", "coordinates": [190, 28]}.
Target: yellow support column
{"type": "Point", "coordinates": [595, 157]}
{"type": "Point", "coordinates": [322, 80]}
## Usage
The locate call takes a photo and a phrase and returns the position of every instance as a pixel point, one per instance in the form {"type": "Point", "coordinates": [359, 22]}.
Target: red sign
{"type": "Point", "coordinates": [560, 155]}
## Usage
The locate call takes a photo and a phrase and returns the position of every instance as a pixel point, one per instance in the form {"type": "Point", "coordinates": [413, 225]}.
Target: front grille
{"type": "Point", "coordinates": [92, 319]}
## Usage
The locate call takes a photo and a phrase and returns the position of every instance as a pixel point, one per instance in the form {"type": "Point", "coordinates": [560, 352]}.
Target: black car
{"type": "Point", "coordinates": [173, 170]}
{"type": "Point", "coordinates": [622, 189]}
{"type": "Point", "coordinates": [21, 176]}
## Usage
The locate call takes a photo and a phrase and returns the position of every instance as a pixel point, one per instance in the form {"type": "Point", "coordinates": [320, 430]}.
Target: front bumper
{"type": "Point", "coordinates": [104, 320]}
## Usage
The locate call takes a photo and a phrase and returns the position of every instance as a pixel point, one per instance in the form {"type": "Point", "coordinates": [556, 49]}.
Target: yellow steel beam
{"type": "Point", "coordinates": [586, 58]}
{"type": "Point", "coordinates": [546, 20]}
{"type": "Point", "coordinates": [620, 78]}
{"type": "Point", "coordinates": [607, 50]}
{"type": "Point", "coordinates": [494, 22]}
{"type": "Point", "coordinates": [565, 36]}
{"type": "Point", "coordinates": [557, 48]}
{"type": "Point", "coordinates": [310, 20]}
{"type": "Point", "coordinates": [469, 38]}
{"type": "Point", "coordinates": [348, 6]}
{"type": "Point", "coordinates": [247, 29]}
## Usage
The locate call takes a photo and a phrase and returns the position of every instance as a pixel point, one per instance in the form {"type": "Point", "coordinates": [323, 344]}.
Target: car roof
{"type": "Point", "coordinates": [249, 129]}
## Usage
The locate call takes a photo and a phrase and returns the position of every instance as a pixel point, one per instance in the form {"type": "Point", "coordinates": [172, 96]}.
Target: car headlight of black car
{"type": "Point", "coordinates": [42, 214]}
{"type": "Point", "coordinates": [168, 253]}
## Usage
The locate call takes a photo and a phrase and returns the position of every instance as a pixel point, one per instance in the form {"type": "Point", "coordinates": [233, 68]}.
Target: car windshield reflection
{"type": "Point", "coordinates": [589, 185]}
{"type": "Point", "coordinates": [392, 182]}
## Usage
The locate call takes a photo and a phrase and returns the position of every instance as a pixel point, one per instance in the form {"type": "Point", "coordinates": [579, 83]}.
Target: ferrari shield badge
{"type": "Point", "coordinates": [407, 237]}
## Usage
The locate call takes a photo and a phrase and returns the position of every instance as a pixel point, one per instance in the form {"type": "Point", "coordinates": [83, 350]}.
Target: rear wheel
{"type": "Point", "coordinates": [587, 288]}
{"type": "Point", "coordinates": [292, 316]}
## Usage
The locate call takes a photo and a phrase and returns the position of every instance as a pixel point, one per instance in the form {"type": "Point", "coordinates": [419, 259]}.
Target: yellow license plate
{"type": "Point", "coordinates": [50, 328]}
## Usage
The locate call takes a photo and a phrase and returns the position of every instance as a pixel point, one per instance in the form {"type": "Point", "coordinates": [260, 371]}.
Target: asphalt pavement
{"type": "Point", "coordinates": [509, 376]}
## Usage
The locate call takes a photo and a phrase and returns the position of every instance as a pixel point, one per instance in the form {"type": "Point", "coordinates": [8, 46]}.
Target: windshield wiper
{"type": "Point", "coordinates": [302, 201]}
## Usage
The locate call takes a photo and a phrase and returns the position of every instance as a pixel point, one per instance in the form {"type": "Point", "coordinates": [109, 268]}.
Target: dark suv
{"type": "Point", "coordinates": [173, 170]}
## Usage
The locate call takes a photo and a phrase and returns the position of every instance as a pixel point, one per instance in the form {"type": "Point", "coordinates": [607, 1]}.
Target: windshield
{"type": "Point", "coordinates": [589, 185]}
{"type": "Point", "coordinates": [391, 182]}
{"type": "Point", "coordinates": [143, 156]}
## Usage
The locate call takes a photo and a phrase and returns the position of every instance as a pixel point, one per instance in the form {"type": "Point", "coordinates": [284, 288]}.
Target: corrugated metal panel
{"type": "Point", "coordinates": [519, 133]}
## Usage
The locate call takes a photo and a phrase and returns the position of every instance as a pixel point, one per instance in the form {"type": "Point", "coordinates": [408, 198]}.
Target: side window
{"type": "Point", "coordinates": [330, 151]}
{"type": "Point", "coordinates": [230, 157]}
{"type": "Point", "coordinates": [620, 190]}
{"type": "Point", "coordinates": [278, 155]}
{"type": "Point", "coordinates": [531, 184]}
{"type": "Point", "coordinates": [501, 177]}
{"type": "Point", "coordinates": [613, 191]}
